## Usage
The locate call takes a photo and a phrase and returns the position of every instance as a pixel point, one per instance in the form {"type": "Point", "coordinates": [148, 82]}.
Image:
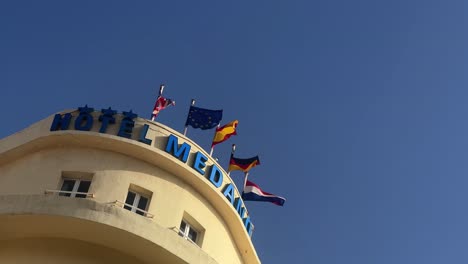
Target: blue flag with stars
{"type": "Point", "coordinates": [203, 118]}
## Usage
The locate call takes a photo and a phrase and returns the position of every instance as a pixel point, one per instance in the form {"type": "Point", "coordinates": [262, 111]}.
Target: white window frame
{"type": "Point", "coordinates": [134, 206]}
{"type": "Point", "coordinates": [76, 185]}
{"type": "Point", "coordinates": [185, 233]}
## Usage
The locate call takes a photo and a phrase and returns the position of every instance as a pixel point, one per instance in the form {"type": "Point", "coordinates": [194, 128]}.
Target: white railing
{"type": "Point", "coordinates": [87, 195]}
{"type": "Point", "coordinates": [177, 230]}
{"type": "Point", "coordinates": [122, 204]}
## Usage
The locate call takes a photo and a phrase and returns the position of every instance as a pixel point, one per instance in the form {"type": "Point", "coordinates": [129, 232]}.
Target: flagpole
{"type": "Point", "coordinates": [245, 180]}
{"type": "Point", "coordinates": [211, 151]}
{"type": "Point", "coordinates": [161, 89]}
{"type": "Point", "coordinates": [186, 126]}
{"type": "Point", "coordinates": [212, 146]}
{"type": "Point", "coordinates": [233, 149]}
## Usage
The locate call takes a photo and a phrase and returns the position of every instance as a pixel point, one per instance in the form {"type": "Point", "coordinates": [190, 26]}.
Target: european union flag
{"type": "Point", "coordinates": [203, 118]}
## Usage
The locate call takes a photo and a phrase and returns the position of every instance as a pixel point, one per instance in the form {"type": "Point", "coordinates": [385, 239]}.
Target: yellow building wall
{"type": "Point", "coordinates": [113, 174]}
{"type": "Point", "coordinates": [59, 251]}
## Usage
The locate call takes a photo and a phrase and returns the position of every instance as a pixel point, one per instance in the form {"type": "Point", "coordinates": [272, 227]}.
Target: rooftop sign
{"type": "Point", "coordinates": [126, 128]}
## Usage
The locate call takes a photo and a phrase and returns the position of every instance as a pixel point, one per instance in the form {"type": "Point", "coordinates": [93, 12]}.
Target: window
{"type": "Point", "coordinates": [188, 232]}
{"type": "Point", "coordinates": [191, 229]}
{"type": "Point", "coordinates": [75, 188]}
{"type": "Point", "coordinates": [137, 202]}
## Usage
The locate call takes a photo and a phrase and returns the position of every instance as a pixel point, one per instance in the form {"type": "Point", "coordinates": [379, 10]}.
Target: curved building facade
{"type": "Point", "coordinates": [85, 186]}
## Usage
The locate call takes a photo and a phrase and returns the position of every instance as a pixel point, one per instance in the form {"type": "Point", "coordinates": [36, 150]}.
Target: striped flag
{"type": "Point", "coordinates": [253, 193]}
{"type": "Point", "coordinates": [243, 164]}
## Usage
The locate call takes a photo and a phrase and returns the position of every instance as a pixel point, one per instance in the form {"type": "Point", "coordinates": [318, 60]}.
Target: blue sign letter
{"type": "Point", "coordinates": [248, 225]}
{"type": "Point", "coordinates": [239, 205]}
{"type": "Point", "coordinates": [199, 163]}
{"type": "Point", "coordinates": [61, 122]}
{"type": "Point", "coordinates": [143, 132]}
{"type": "Point", "coordinates": [106, 118]}
{"type": "Point", "coordinates": [216, 177]}
{"type": "Point", "coordinates": [127, 124]}
{"type": "Point", "coordinates": [84, 121]}
{"type": "Point", "coordinates": [173, 147]}
{"type": "Point", "coordinates": [229, 193]}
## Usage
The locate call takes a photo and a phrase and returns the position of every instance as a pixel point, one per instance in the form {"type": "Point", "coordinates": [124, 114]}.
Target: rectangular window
{"type": "Point", "coordinates": [75, 188]}
{"type": "Point", "coordinates": [137, 202]}
{"type": "Point", "coordinates": [188, 232]}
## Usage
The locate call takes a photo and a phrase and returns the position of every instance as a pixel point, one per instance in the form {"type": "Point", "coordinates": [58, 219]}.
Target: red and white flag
{"type": "Point", "coordinates": [160, 104]}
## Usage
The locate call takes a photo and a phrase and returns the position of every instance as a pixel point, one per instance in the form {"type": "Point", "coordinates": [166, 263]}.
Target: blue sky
{"type": "Point", "coordinates": [357, 109]}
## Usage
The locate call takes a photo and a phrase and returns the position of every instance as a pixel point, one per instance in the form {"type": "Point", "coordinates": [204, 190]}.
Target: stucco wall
{"type": "Point", "coordinates": [59, 251]}
{"type": "Point", "coordinates": [113, 174]}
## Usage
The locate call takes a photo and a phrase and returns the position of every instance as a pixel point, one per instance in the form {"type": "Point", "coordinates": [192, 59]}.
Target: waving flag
{"type": "Point", "coordinates": [253, 193]}
{"type": "Point", "coordinates": [225, 132]}
{"type": "Point", "coordinates": [243, 164]}
{"type": "Point", "coordinates": [203, 118]}
{"type": "Point", "coordinates": [160, 104]}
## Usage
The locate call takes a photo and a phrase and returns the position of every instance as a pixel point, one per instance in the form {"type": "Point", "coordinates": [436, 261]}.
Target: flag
{"type": "Point", "coordinates": [225, 132]}
{"type": "Point", "coordinates": [160, 104]}
{"type": "Point", "coordinates": [203, 118]}
{"type": "Point", "coordinates": [243, 164]}
{"type": "Point", "coordinates": [253, 193]}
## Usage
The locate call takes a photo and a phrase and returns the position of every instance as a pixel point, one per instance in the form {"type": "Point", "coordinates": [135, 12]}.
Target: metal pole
{"type": "Point", "coordinates": [211, 151]}
{"type": "Point", "coordinates": [245, 180]}
{"type": "Point", "coordinates": [212, 146]}
{"type": "Point", "coordinates": [186, 127]}
{"type": "Point", "coordinates": [233, 149]}
{"type": "Point", "coordinates": [161, 89]}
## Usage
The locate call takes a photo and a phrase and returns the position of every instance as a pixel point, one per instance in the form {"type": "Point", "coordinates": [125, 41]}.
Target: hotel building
{"type": "Point", "coordinates": [85, 186]}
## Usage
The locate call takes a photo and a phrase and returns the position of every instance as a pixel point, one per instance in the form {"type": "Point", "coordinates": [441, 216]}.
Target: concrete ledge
{"type": "Point", "coordinates": [49, 216]}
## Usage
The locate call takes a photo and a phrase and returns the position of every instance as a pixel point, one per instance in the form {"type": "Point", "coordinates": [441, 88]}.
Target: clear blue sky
{"type": "Point", "coordinates": [357, 108]}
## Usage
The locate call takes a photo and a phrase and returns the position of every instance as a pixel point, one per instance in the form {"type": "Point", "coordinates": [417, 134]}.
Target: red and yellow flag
{"type": "Point", "coordinates": [225, 132]}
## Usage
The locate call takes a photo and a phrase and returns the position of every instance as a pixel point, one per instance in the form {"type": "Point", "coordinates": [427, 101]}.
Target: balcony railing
{"type": "Point", "coordinates": [133, 208]}
{"type": "Point", "coordinates": [71, 194]}
{"type": "Point", "coordinates": [177, 230]}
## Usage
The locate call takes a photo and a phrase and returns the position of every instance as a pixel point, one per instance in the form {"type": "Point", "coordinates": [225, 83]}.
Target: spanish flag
{"type": "Point", "coordinates": [223, 133]}
{"type": "Point", "coordinates": [243, 164]}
